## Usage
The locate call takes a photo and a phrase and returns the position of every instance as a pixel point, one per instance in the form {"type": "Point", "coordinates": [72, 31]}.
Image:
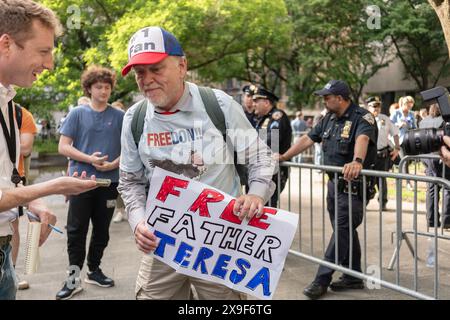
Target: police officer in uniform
{"type": "Point", "coordinates": [385, 154]}
{"type": "Point", "coordinates": [349, 137]}
{"type": "Point", "coordinates": [275, 129]}
{"type": "Point", "coordinates": [247, 103]}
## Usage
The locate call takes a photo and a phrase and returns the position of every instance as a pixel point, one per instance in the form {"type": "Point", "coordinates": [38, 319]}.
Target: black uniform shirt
{"type": "Point", "coordinates": [250, 117]}
{"type": "Point", "coordinates": [338, 136]}
{"type": "Point", "coordinates": [276, 119]}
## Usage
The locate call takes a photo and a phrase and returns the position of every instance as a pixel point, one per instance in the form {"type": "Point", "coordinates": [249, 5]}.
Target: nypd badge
{"type": "Point", "coordinates": [277, 115]}
{"type": "Point", "coordinates": [265, 123]}
{"type": "Point", "coordinates": [346, 130]}
{"type": "Point", "coordinates": [369, 118]}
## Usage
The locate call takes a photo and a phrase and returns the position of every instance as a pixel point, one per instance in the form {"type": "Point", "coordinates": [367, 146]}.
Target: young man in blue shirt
{"type": "Point", "coordinates": [90, 137]}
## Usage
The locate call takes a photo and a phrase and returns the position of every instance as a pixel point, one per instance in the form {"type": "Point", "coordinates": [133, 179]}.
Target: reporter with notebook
{"type": "Point", "coordinates": [27, 32]}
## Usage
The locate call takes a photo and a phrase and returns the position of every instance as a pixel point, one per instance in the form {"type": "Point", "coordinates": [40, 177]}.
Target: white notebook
{"type": "Point", "coordinates": [32, 247]}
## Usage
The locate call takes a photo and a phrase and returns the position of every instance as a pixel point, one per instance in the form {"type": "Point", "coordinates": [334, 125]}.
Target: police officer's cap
{"type": "Point", "coordinates": [249, 89]}
{"type": "Point", "coordinates": [261, 93]}
{"type": "Point", "coordinates": [335, 87]}
{"type": "Point", "coordinates": [373, 101]}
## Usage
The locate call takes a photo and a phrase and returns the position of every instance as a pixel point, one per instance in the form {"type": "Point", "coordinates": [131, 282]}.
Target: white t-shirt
{"type": "Point", "coordinates": [187, 142]}
{"type": "Point", "coordinates": [6, 166]}
{"type": "Point", "coordinates": [386, 129]}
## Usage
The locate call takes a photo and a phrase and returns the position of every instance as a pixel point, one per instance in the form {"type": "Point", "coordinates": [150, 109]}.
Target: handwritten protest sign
{"type": "Point", "coordinates": [201, 237]}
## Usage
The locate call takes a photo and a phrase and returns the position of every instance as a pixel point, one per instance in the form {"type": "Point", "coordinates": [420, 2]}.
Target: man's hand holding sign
{"type": "Point", "coordinates": [201, 232]}
{"type": "Point", "coordinates": [248, 205]}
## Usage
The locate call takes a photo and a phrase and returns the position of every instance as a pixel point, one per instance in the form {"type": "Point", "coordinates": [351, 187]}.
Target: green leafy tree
{"type": "Point", "coordinates": [217, 36]}
{"type": "Point", "coordinates": [85, 23]}
{"type": "Point", "coordinates": [298, 45]}
{"type": "Point", "coordinates": [416, 34]}
{"type": "Point", "coordinates": [331, 41]}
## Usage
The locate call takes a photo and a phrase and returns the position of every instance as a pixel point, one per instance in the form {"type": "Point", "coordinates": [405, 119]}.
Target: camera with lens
{"type": "Point", "coordinates": [422, 141]}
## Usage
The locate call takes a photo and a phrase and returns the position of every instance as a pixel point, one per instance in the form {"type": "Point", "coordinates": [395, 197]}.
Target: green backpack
{"type": "Point", "coordinates": [215, 114]}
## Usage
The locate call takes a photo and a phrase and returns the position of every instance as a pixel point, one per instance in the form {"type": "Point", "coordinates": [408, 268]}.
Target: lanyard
{"type": "Point", "coordinates": [10, 138]}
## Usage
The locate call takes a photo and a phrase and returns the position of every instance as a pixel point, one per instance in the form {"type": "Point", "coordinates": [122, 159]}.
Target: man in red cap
{"type": "Point", "coordinates": [172, 108]}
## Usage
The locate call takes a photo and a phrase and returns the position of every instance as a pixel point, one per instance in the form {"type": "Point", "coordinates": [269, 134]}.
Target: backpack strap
{"type": "Point", "coordinates": [18, 115]}
{"type": "Point", "coordinates": [217, 117]}
{"type": "Point", "coordinates": [137, 123]}
{"type": "Point", "coordinates": [213, 109]}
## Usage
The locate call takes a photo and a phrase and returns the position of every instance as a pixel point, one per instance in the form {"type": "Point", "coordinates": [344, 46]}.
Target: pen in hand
{"type": "Point", "coordinates": [35, 217]}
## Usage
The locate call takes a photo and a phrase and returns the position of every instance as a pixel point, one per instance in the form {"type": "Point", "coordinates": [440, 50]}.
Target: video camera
{"type": "Point", "coordinates": [422, 141]}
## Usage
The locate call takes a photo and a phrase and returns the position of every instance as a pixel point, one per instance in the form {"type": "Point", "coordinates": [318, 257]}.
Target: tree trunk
{"type": "Point", "coordinates": [442, 8]}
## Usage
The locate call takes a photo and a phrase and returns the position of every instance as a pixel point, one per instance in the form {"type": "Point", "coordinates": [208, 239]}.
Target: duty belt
{"type": "Point", "coordinates": [343, 184]}
{"type": "Point", "coordinates": [357, 186]}
{"type": "Point", "coordinates": [5, 240]}
{"type": "Point", "coordinates": [383, 152]}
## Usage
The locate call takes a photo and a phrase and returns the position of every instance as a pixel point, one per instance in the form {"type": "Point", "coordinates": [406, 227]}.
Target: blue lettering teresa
{"type": "Point", "coordinates": [242, 264]}
{"type": "Point", "coordinates": [203, 254]}
{"type": "Point", "coordinates": [262, 277]}
{"type": "Point", "coordinates": [184, 251]}
{"type": "Point", "coordinates": [219, 269]}
{"type": "Point", "coordinates": [164, 239]}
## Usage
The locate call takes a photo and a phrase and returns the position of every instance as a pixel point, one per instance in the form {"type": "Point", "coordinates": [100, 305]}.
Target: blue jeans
{"type": "Point", "coordinates": [8, 280]}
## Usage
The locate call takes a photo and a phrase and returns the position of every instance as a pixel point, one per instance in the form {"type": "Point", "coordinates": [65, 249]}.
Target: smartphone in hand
{"type": "Point", "coordinates": [103, 182]}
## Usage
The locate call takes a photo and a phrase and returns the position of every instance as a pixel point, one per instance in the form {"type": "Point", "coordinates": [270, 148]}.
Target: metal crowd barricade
{"type": "Point", "coordinates": [379, 279]}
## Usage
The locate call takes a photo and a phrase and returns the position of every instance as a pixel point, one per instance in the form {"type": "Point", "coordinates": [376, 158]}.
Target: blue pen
{"type": "Point", "coordinates": [34, 217]}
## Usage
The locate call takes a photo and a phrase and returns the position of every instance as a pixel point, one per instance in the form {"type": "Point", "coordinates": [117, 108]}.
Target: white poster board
{"type": "Point", "coordinates": [201, 237]}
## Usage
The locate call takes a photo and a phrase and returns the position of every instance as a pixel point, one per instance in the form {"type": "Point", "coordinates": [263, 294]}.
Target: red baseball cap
{"type": "Point", "coordinates": [151, 45]}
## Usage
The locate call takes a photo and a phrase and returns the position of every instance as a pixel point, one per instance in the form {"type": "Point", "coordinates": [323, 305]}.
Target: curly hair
{"type": "Point", "coordinates": [17, 16]}
{"type": "Point", "coordinates": [95, 74]}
